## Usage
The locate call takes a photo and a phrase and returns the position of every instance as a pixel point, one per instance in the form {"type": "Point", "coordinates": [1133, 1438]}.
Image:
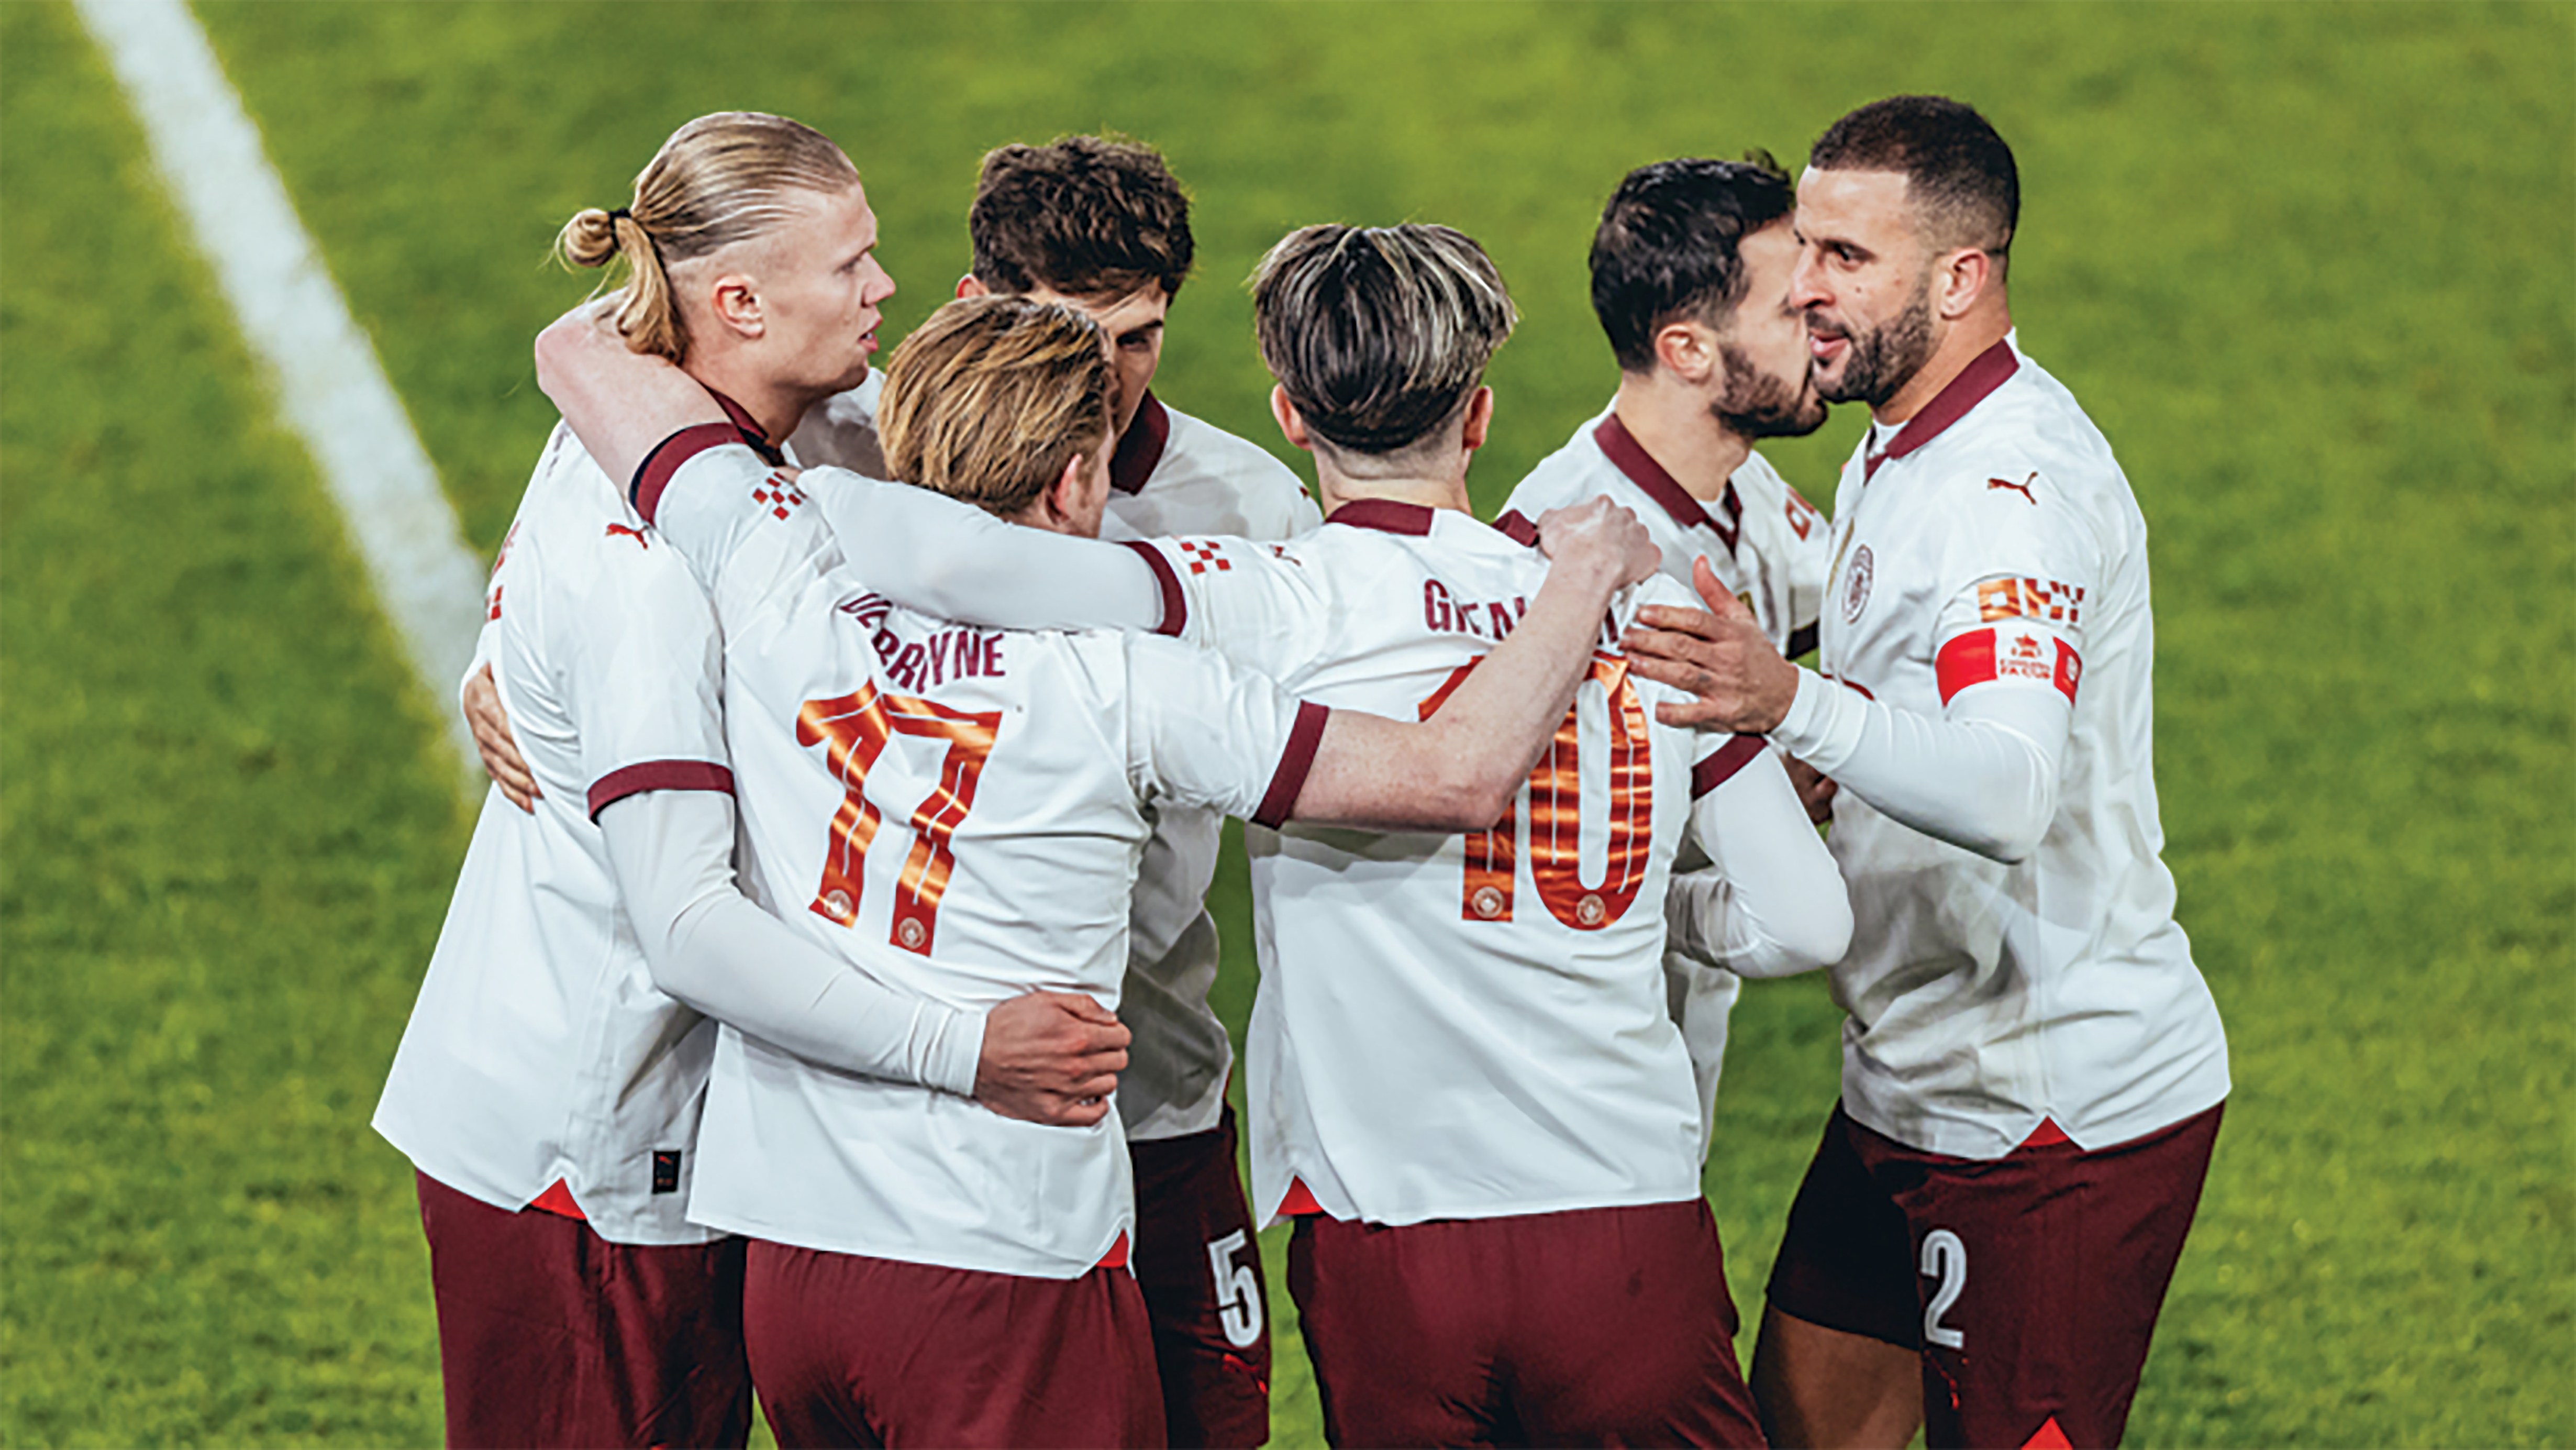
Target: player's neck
{"type": "Point", "coordinates": [1672, 422]}
{"type": "Point", "coordinates": [1965, 342]}
{"type": "Point", "coordinates": [776, 406]}
{"type": "Point", "coordinates": [1338, 489]}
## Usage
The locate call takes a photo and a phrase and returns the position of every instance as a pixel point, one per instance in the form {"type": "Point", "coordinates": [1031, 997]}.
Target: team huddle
{"type": "Point", "coordinates": [823, 1006]}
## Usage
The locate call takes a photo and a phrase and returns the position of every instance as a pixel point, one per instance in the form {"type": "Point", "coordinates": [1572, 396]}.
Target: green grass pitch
{"type": "Point", "coordinates": [2308, 266]}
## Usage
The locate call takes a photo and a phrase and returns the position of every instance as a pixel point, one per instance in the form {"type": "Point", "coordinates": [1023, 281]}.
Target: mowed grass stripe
{"type": "Point", "coordinates": [228, 837]}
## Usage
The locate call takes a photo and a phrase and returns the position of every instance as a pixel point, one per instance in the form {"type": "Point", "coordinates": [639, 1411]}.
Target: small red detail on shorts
{"type": "Point", "coordinates": [1248, 1371]}
{"type": "Point", "coordinates": [1300, 1200]}
{"type": "Point", "coordinates": [1116, 1258]}
{"type": "Point", "coordinates": [2048, 1437]}
{"type": "Point", "coordinates": [557, 1199]}
{"type": "Point", "coordinates": [2046, 1135]}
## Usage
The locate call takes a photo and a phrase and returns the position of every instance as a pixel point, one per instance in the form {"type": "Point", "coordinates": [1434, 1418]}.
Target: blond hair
{"type": "Point", "coordinates": [988, 399]}
{"type": "Point", "coordinates": [1379, 335]}
{"type": "Point", "coordinates": [720, 179]}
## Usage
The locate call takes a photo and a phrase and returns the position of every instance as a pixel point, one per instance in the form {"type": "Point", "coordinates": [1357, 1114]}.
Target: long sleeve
{"type": "Point", "coordinates": [1771, 902]}
{"type": "Point", "coordinates": [711, 948]}
{"type": "Point", "coordinates": [1983, 775]}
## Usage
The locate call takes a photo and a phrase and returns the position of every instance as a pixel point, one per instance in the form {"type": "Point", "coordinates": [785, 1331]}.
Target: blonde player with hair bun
{"type": "Point", "coordinates": [549, 1086]}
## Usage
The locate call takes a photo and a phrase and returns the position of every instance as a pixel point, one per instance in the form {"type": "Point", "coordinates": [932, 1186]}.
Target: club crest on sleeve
{"type": "Point", "coordinates": [1856, 584]}
{"type": "Point", "coordinates": [2022, 488]}
{"type": "Point", "coordinates": [1205, 554]}
{"type": "Point", "coordinates": [777, 494]}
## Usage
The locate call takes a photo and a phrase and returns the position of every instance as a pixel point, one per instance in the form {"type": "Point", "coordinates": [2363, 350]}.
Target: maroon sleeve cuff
{"type": "Point", "coordinates": [1517, 528]}
{"type": "Point", "coordinates": [1721, 766]}
{"type": "Point", "coordinates": [647, 775]}
{"type": "Point", "coordinates": [1176, 605]}
{"type": "Point", "coordinates": [1294, 763]}
{"type": "Point", "coordinates": [654, 473]}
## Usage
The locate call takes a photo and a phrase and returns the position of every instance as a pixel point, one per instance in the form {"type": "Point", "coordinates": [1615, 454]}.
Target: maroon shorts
{"type": "Point", "coordinates": [2029, 1282]}
{"type": "Point", "coordinates": [1602, 1326]}
{"type": "Point", "coordinates": [1200, 1269]}
{"type": "Point", "coordinates": [852, 1350]}
{"type": "Point", "coordinates": [549, 1334]}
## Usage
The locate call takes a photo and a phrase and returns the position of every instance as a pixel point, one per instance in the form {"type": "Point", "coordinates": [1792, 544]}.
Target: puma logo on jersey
{"type": "Point", "coordinates": [2022, 488]}
{"type": "Point", "coordinates": [624, 531]}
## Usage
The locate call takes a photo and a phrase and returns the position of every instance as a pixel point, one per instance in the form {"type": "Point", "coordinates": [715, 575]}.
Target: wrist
{"type": "Point", "coordinates": [959, 1064]}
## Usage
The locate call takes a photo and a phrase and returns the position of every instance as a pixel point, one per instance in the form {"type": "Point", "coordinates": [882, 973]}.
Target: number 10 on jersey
{"type": "Point", "coordinates": [1556, 810]}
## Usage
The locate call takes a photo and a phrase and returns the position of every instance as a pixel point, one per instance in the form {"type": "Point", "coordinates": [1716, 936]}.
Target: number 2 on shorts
{"type": "Point", "coordinates": [1944, 1258]}
{"type": "Point", "coordinates": [1238, 1294]}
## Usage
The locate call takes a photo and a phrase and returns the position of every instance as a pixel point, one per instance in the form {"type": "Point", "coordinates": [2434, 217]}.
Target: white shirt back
{"type": "Point", "coordinates": [1455, 1027]}
{"type": "Point", "coordinates": [973, 799]}
{"type": "Point", "coordinates": [1984, 997]}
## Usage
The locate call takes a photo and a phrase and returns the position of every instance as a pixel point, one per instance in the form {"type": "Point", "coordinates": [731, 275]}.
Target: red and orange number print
{"type": "Point", "coordinates": [1556, 818]}
{"type": "Point", "coordinates": [854, 730]}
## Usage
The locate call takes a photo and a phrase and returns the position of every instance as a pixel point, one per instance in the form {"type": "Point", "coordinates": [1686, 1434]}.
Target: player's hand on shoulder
{"type": "Point", "coordinates": [494, 743]}
{"type": "Point", "coordinates": [1051, 1058]}
{"type": "Point", "coordinates": [1598, 533]}
{"type": "Point", "coordinates": [1719, 655]}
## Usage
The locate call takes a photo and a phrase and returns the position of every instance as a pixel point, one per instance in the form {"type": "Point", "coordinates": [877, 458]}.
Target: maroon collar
{"type": "Point", "coordinates": [1983, 374]}
{"type": "Point", "coordinates": [1141, 446]}
{"type": "Point", "coordinates": [1623, 449]}
{"type": "Point", "coordinates": [1385, 515]}
{"type": "Point", "coordinates": [750, 429]}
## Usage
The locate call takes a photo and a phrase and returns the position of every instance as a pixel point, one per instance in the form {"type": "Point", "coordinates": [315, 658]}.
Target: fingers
{"type": "Point", "coordinates": [1677, 620]}
{"type": "Point", "coordinates": [490, 725]}
{"type": "Point", "coordinates": [1720, 602]}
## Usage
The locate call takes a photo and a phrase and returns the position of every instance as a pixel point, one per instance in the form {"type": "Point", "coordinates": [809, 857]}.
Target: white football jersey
{"type": "Point", "coordinates": [974, 800]}
{"type": "Point", "coordinates": [1767, 546]}
{"type": "Point", "coordinates": [539, 1049]}
{"type": "Point", "coordinates": [1994, 545]}
{"type": "Point", "coordinates": [1766, 543]}
{"type": "Point", "coordinates": [1171, 474]}
{"type": "Point", "coordinates": [1457, 1026]}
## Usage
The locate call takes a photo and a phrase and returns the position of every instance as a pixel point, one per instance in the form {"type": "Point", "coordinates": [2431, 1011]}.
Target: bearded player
{"type": "Point", "coordinates": [1464, 1079]}
{"type": "Point", "coordinates": [2033, 1069]}
{"type": "Point", "coordinates": [1690, 280]}
{"type": "Point", "coordinates": [1102, 226]}
{"type": "Point", "coordinates": [893, 1227]}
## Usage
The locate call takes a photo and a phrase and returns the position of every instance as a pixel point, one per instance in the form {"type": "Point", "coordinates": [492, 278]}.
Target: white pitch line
{"type": "Point", "coordinates": [330, 386]}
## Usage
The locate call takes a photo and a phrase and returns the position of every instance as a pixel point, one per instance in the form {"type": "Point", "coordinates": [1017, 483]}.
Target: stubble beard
{"type": "Point", "coordinates": [1883, 360]}
{"type": "Point", "coordinates": [1756, 404]}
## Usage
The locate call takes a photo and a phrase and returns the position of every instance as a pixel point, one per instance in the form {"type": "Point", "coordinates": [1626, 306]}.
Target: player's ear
{"type": "Point", "coordinates": [1064, 496]}
{"type": "Point", "coordinates": [734, 300]}
{"type": "Point", "coordinates": [1687, 349]}
{"type": "Point", "coordinates": [971, 285]}
{"type": "Point", "coordinates": [1480, 419]}
{"type": "Point", "coordinates": [1965, 276]}
{"type": "Point", "coordinates": [1290, 425]}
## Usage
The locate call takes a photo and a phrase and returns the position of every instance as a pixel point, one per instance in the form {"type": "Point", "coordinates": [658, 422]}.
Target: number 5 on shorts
{"type": "Point", "coordinates": [1238, 1294]}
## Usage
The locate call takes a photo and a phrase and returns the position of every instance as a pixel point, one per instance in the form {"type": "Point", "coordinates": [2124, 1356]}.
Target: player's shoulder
{"type": "Point", "coordinates": [1577, 470]}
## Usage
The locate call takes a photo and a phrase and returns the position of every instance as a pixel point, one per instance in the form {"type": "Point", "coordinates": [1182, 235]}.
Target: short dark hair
{"type": "Point", "coordinates": [1378, 334]}
{"type": "Point", "coordinates": [1085, 216]}
{"type": "Point", "coordinates": [1957, 169]}
{"type": "Point", "coordinates": [1665, 249]}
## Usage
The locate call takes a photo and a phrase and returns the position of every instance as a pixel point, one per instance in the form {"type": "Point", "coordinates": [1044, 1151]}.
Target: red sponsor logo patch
{"type": "Point", "coordinates": [1984, 655]}
{"type": "Point", "coordinates": [1802, 514]}
{"type": "Point", "coordinates": [2028, 598]}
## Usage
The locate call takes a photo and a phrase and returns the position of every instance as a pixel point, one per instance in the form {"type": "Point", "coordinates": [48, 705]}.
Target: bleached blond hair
{"type": "Point", "coordinates": [990, 398]}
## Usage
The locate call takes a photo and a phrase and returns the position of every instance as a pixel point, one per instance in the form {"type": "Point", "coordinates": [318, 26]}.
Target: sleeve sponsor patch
{"type": "Point", "coordinates": [2028, 655]}
{"type": "Point", "coordinates": [2028, 598]}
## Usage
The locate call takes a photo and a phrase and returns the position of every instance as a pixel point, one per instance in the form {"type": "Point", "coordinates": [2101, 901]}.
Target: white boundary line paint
{"type": "Point", "coordinates": [330, 386]}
